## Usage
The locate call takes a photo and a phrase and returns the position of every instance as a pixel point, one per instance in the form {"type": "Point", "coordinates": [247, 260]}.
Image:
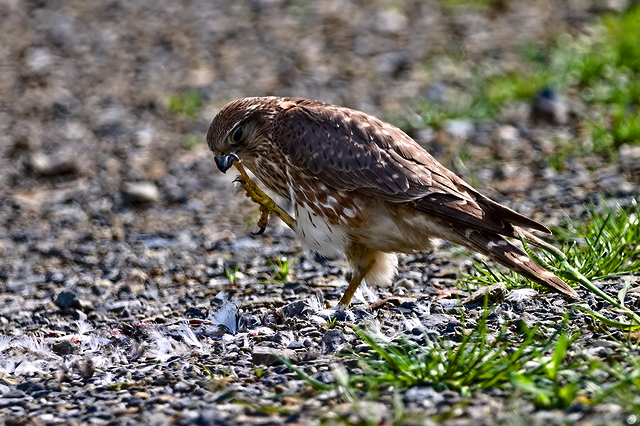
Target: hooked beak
{"type": "Point", "coordinates": [225, 162]}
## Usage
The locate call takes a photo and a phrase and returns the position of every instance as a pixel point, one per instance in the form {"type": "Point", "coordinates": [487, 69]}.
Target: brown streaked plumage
{"type": "Point", "coordinates": [363, 187]}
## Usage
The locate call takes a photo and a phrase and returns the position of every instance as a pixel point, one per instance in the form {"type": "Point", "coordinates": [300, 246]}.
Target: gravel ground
{"type": "Point", "coordinates": [116, 230]}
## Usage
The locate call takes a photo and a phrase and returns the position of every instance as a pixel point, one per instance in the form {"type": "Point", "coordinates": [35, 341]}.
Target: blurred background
{"type": "Point", "coordinates": [104, 105]}
{"type": "Point", "coordinates": [121, 244]}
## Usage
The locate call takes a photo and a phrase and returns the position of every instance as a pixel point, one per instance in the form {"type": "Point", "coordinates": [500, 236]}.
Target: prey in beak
{"type": "Point", "coordinates": [225, 162]}
{"type": "Point", "coordinates": [267, 205]}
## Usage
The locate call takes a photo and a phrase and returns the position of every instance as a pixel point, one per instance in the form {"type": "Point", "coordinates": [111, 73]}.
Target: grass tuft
{"type": "Point", "coordinates": [534, 363]}
{"type": "Point", "coordinates": [186, 104]}
{"type": "Point", "coordinates": [605, 244]}
{"type": "Point", "coordinates": [537, 366]}
{"type": "Point", "coordinates": [232, 274]}
{"type": "Point", "coordinates": [281, 268]}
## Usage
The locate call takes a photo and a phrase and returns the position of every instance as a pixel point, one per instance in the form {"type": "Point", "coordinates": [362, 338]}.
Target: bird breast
{"type": "Point", "coordinates": [318, 233]}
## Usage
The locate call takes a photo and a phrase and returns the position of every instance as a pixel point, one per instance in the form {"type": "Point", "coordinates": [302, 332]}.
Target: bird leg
{"type": "Point", "coordinates": [356, 279]}
{"type": "Point", "coordinates": [267, 205]}
{"type": "Point", "coordinates": [340, 311]}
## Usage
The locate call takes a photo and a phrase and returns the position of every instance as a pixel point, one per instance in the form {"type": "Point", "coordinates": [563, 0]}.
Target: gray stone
{"type": "Point", "coordinates": [50, 166]}
{"type": "Point", "coordinates": [295, 309]}
{"type": "Point", "coordinates": [140, 193]}
{"type": "Point", "coordinates": [548, 106]}
{"type": "Point", "coordinates": [262, 355]}
{"type": "Point", "coordinates": [493, 293]}
{"type": "Point", "coordinates": [334, 340]}
{"type": "Point", "coordinates": [459, 128]}
{"type": "Point", "coordinates": [423, 396]}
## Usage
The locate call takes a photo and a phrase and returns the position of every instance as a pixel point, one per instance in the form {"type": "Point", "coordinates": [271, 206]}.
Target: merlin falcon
{"type": "Point", "coordinates": [363, 188]}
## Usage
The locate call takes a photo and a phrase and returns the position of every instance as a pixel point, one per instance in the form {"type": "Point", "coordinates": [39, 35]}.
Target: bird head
{"type": "Point", "coordinates": [238, 130]}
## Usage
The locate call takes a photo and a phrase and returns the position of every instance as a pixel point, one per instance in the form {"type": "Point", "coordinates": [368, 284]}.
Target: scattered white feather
{"type": "Point", "coordinates": [421, 309]}
{"type": "Point", "coordinates": [27, 367]}
{"type": "Point", "coordinates": [412, 323]}
{"type": "Point", "coordinates": [119, 357]}
{"type": "Point", "coordinates": [101, 361]}
{"type": "Point", "coordinates": [5, 343]}
{"type": "Point", "coordinates": [189, 337]}
{"type": "Point", "coordinates": [262, 331]}
{"type": "Point", "coordinates": [83, 327]}
{"type": "Point", "coordinates": [521, 295]}
{"type": "Point", "coordinates": [95, 343]}
{"type": "Point", "coordinates": [227, 315]}
{"type": "Point", "coordinates": [32, 344]}
{"type": "Point", "coordinates": [364, 294]}
{"type": "Point", "coordinates": [228, 338]}
{"type": "Point", "coordinates": [162, 348]}
{"type": "Point", "coordinates": [374, 329]}
{"type": "Point", "coordinates": [314, 303]}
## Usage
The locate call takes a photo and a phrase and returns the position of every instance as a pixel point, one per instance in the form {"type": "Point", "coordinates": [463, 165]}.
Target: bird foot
{"type": "Point", "coordinates": [342, 313]}
{"type": "Point", "coordinates": [267, 205]}
{"type": "Point", "coordinates": [338, 313]}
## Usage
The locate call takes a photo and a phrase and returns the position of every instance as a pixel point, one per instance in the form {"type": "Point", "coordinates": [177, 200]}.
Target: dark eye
{"type": "Point", "coordinates": [237, 135]}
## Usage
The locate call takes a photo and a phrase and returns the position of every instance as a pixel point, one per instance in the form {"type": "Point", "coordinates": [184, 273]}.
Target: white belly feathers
{"type": "Point", "coordinates": [318, 234]}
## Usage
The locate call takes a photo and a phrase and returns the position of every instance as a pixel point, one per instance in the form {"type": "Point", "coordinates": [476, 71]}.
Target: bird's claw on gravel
{"type": "Point", "coordinates": [339, 313]}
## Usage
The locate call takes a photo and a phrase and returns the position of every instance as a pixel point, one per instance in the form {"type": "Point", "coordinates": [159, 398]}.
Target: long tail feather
{"type": "Point", "coordinates": [499, 249]}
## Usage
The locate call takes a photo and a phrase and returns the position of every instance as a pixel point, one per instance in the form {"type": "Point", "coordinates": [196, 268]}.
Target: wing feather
{"type": "Point", "coordinates": [352, 151]}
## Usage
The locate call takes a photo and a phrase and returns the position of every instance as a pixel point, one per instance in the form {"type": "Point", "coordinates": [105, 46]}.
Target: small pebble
{"type": "Point", "coordinates": [140, 193]}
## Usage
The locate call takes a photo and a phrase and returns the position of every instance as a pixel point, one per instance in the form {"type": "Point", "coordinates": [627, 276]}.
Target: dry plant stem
{"type": "Point", "coordinates": [267, 205]}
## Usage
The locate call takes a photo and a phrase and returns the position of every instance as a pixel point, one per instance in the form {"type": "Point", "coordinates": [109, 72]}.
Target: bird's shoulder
{"type": "Point", "coordinates": [305, 125]}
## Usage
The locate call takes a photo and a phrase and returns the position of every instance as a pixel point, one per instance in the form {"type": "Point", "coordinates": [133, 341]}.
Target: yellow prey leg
{"type": "Point", "coordinates": [267, 205]}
